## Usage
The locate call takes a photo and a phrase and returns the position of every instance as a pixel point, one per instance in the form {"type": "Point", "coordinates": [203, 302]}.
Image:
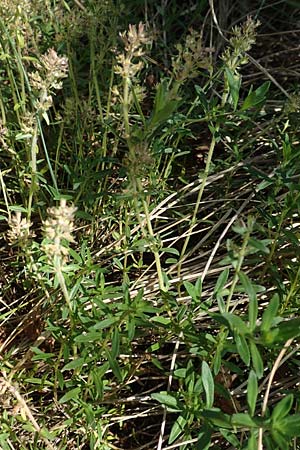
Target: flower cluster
{"type": "Point", "coordinates": [51, 69]}
{"type": "Point", "coordinates": [191, 57]}
{"type": "Point", "coordinates": [139, 161]}
{"type": "Point", "coordinates": [134, 40]}
{"type": "Point", "coordinates": [58, 228]}
{"type": "Point", "coordinates": [243, 37]}
{"type": "Point", "coordinates": [3, 136]}
{"type": "Point", "coordinates": [19, 229]}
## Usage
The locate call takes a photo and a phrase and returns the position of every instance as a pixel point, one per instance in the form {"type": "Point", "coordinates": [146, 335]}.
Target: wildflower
{"type": "Point", "coordinates": [243, 37]}
{"type": "Point", "coordinates": [191, 57]}
{"type": "Point", "coordinates": [19, 229]}
{"type": "Point", "coordinates": [133, 40]}
{"type": "Point", "coordinates": [51, 69]}
{"type": "Point", "coordinates": [139, 161]}
{"type": "Point", "coordinates": [58, 228]}
{"type": "Point", "coordinates": [3, 136]}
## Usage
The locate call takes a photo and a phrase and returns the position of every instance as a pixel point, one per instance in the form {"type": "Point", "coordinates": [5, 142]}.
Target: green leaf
{"type": "Point", "coordinates": [198, 287]}
{"type": "Point", "coordinates": [253, 307]}
{"type": "Point", "coordinates": [264, 184]}
{"type": "Point", "coordinates": [243, 420]}
{"type": "Point", "coordinates": [217, 418]}
{"type": "Point", "coordinates": [40, 381]}
{"type": "Point", "coordinates": [177, 429]}
{"type": "Point", "coordinates": [285, 330]}
{"type": "Point", "coordinates": [230, 437]}
{"type": "Point", "coordinates": [204, 438]}
{"type": "Point", "coordinates": [40, 355]}
{"type": "Point", "coordinates": [165, 104]}
{"type": "Point", "coordinates": [282, 408]}
{"type": "Point", "coordinates": [171, 261]}
{"type": "Point", "coordinates": [280, 439]}
{"type": "Point", "coordinates": [172, 251]}
{"type": "Point", "coordinates": [236, 323]}
{"type": "Point", "coordinates": [262, 90]}
{"type": "Point", "coordinates": [180, 373]}
{"type": "Point", "coordinates": [114, 365]}
{"type": "Point", "coordinates": [217, 360]}
{"type": "Point", "coordinates": [221, 281]}
{"type": "Point", "coordinates": [131, 327]}
{"type": "Point", "coordinates": [252, 441]}
{"type": "Point", "coordinates": [270, 313]}
{"type": "Point", "coordinates": [257, 97]}
{"type": "Point", "coordinates": [208, 384]}
{"type": "Point", "coordinates": [167, 399]}
{"type": "Point", "coordinates": [288, 329]}
{"type": "Point", "coordinates": [88, 337]}
{"type": "Point", "coordinates": [252, 312]}
{"type": "Point", "coordinates": [260, 245]}
{"type": "Point", "coordinates": [247, 285]}
{"type": "Point", "coordinates": [115, 344]}
{"type": "Point", "coordinates": [290, 426]}
{"type": "Point", "coordinates": [252, 391]}
{"type": "Point", "coordinates": [234, 82]}
{"type": "Point", "coordinates": [221, 304]}
{"type": "Point", "coordinates": [161, 320]}
{"type": "Point", "coordinates": [70, 395]}
{"type": "Point", "coordinates": [46, 434]}
{"type": "Point", "coordinates": [242, 348]}
{"type": "Point", "coordinates": [74, 364]}
{"type": "Point", "coordinates": [192, 290]}
{"type": "Point", "coordinates": [102, 324]}
{"type": "Point", "coordinates": [257, 361]}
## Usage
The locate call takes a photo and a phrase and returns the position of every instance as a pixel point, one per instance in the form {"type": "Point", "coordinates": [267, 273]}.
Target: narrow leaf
{"type": "Point", "coordinates": [252, 441]}
{"type": "Point", "coordinates": [234, 82]}
{"type": "Point", "coordinates": [115, 344]}
{"type": "Point", "coordinates": [270, 313]}
{"type": "Point", "coordinates": [243, 420]}
{"type": "Point", "coordinates": [236, 323]}
{"type": "Point", "coordinates": [250, 290]}
{"type": "Point", "coordinates": [177, 429]}
{"type": "Point", "coordinates": [208, 384]}
{"type": "Point", "coordinates": [257, 361]}
{"type": "Point", "coordinates": [290, 426]}
{"type": "Point", "coordinates": [70, 395]}
{"type": "Point", "coordinates": [242, 348]}
{"type": "Point", "coordinates": [167, 399]}
{"type": "Point", "coordinates": [221, 281]}
{"type": "Point", "coordinates": [89, 337]}
{"type": "Point", "coordinates": [204, 438]}
{"type": "Point", "coordinates": [281, 440]}
{"type": "Point", "coordinates": [217, 418]}
{"type": "Point", "coordinates": [74, 364]}
{"type": "Point", "coordinates": [114, 365]}
{"type": "Point", "coordinates": [282, 408]}
{"type": "Point", "coordinates": [252, 391]}
{"type": "Point", "coordinates": [190, 288]}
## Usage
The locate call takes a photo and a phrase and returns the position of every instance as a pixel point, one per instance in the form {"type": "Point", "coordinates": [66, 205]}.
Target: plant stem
{"type": "Point", "coordinates": [197, 205]}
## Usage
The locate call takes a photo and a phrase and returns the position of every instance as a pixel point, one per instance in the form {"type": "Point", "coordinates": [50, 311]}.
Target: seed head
{"type": "Point", "coordinates": [19, 229]}
{"type": "Point", "coordinates": [58, 228]}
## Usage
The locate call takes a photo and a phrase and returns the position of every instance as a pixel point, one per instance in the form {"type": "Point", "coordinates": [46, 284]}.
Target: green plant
{"type": "Point", "coordinates": [149, 226]}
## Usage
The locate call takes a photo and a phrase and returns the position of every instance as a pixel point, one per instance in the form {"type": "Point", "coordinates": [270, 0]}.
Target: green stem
{"type": "Point", "coordinates": [293, 289]}
{"type": "Point", "coordinates": [198, 201]}
{"type": "Point", "coordinates": [33, 181]}
{"type": "Point", "coordinates": [63, 286]}
{"type": "Point", "coordinates": [238, 269]}
{"type": "Point", "coordinates": [151, 234]}
{"type": "Point", "coordinates": [126, 109]}
{"type": "Point", "coordinates": [223, 330]}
